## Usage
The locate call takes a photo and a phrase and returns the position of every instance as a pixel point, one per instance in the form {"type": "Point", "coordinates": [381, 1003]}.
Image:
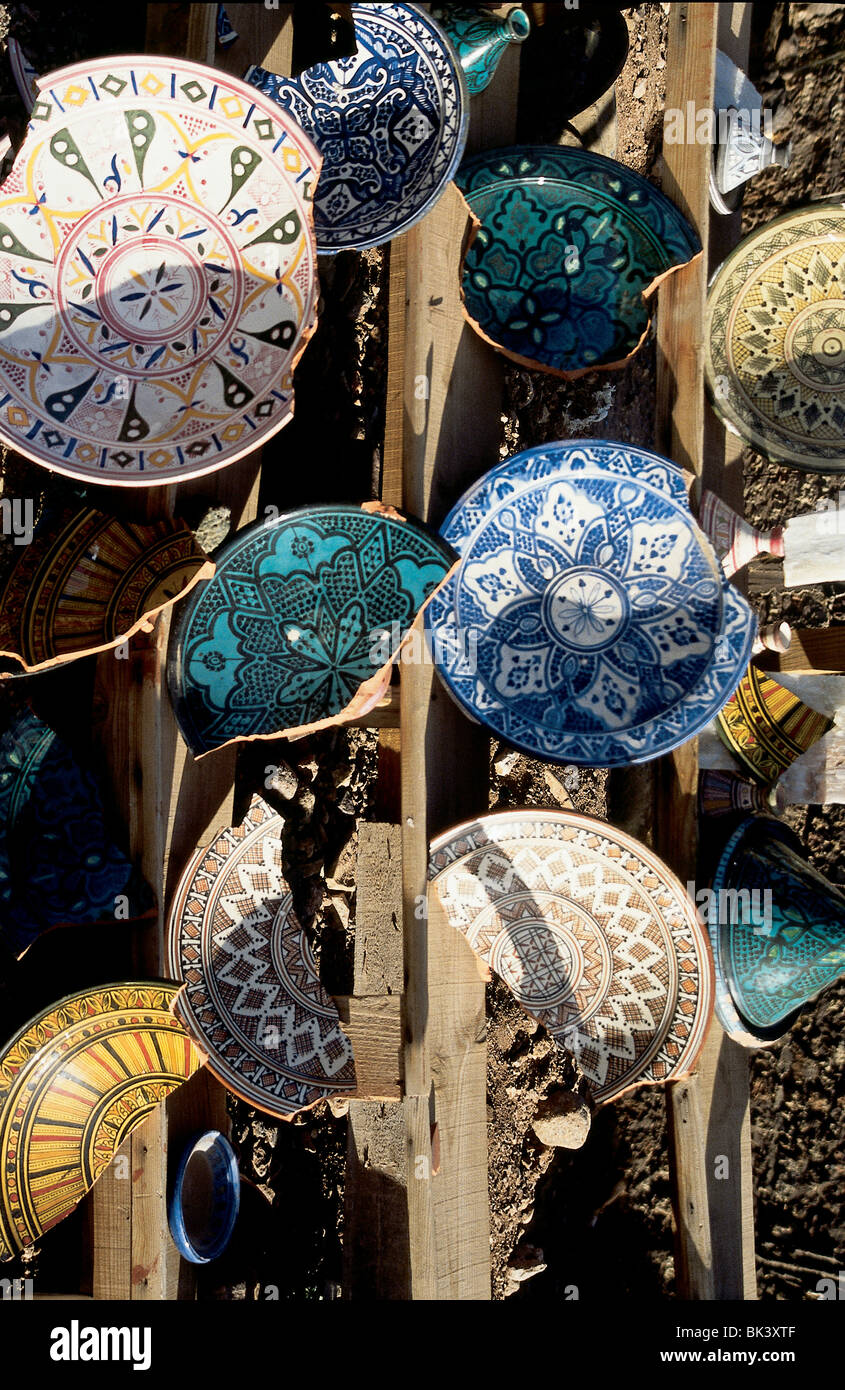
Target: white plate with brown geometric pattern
{"type": "Point", "coordinates": [775, 338]}
{"type": "Point", "coordinates": [252, 998]}
{"type": "Point", "coordinates": [592, 934]}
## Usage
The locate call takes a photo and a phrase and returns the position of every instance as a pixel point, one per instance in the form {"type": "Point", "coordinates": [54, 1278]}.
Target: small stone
{"type": "Point", "coordinates": [504, 766]}
{"type": "Point", "coordinates": [283, 781]}
{"type": "Point", "coordinates": [640, 89]}
{"type": "Point", "coordinates": [562, 1120]}
{"type": "Point", "coordinates": [214, 528]}
{"type": "Point", "coordinates": [524, 1263]}
{"type": "Point", "coordinates": [557, 789]}
{"type": "Point", "coordinates": [338, 907]}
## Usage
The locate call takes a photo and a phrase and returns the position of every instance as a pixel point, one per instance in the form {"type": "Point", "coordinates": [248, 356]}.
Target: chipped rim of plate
{"type": "Point", "coordinates": [729, 595]}
{"type": "Point", "coordinates": [579, 819]}
{"type": "Point", "coordinates": [310, 319]}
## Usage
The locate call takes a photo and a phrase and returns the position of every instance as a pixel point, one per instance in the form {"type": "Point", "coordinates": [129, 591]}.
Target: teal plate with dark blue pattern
{"type": "Point", "coordinates": [570, 248]}
{"type": "Point", "coordinates": [301, 612]}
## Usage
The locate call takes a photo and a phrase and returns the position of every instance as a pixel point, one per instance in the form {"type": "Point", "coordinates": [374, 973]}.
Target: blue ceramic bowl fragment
{"type": "Point", "coordinates": [588, 620]}
{"type": "Point", "coordinates": [204, 1198]}
{"type": "Point", "coordinates": [570, 247]}
{"type": "Point", "coordinates": [390, 123]}
{"type": "Point", "coordinates": [58, 863]}
{"type": "Point", "coordinates": [302, 612]}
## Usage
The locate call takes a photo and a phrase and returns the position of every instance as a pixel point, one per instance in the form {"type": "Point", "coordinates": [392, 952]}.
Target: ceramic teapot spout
{"type": "Point", "coordinates": [480, 39]}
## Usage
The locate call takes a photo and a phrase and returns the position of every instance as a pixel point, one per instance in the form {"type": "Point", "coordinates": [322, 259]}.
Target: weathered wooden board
{"type": "Point", "coordinates": [170, 803]}
{"type": "Point", "coordinates": [811, 650]}
{"type": "Point", "coordinates": [442, 431]}
{"type": "Point", "coordinates": [708, 1114]}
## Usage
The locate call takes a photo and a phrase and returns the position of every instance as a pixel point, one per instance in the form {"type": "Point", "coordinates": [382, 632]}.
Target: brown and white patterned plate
{"type": "Point", "coordinates": [591, 933]}
{"type": "Point", "coordinates": [252, 999]}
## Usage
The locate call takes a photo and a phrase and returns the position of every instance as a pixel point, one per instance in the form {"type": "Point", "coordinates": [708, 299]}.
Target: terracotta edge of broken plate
{"type": "Point", "coordinates": [144, 623]}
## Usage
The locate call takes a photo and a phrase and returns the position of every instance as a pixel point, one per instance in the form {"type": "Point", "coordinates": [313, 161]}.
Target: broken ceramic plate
{"type": "Point", "coordinates": [727, 794]}
{"type": "Point", "coordinates": [588, 620]}
{"type": "Point", "coordinates": [87, 581]}
{"type": "Point", "coordinates": [774, 338]}
{"type": "Point", "coordinates": [777, 928]}
{"type": "Point", "coordinates": [571, 246]}
{"type": "Point", "coordinates": [157, 272]}
{"type": "Point", "coordinates": [741, 148]}
{"type": "Point", "coordinates": [390, 123]}
{"type": "Point", "coordinates": [735, 540]}
{"type": "Point", "coordinates": [73, 1084]}
{"type": "Point", "coordinates": [252, 998]}
{"type": "Point", "coordinates": [59, 865]}
{"type": "Point", "coordinates": [591, 933]}
{"type": "Point", "coordinates": [767, 727]}
{"type": "Point", "coordinates": [301, 622]}
{"type": "Point", "coordinates": [205, 1197]}
{"type": "Point", "coordinates": [26, 78]}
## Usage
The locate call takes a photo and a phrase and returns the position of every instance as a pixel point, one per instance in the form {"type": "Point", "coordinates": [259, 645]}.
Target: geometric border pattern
{"type": "Point", "coordinates": [649, 988]}
{"type": "Point", "coordinates": [73, 1083]}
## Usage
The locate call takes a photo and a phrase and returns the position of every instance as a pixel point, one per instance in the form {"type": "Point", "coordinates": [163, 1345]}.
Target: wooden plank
{"type": "Point", "coordinates": [376, 1250]}
{"type": "Point", "coordinates": [374, 1025]}
{"type": "Point", "coordinates": [376, 1255]}
{"type": "Point", "coordinates": [169, 803]}
{"type": "Point", "coordinates": [690, 69]}
{"type": "Point", "coordinates": [451, 428]}
{"type": "Point", "coordinates": [812, 650]}
{"type": "Point", "coordinates": [378, 910]}
{"type": "Point", "coordinates": [714, 1254]}
{"type": "Point", "coordinates": [458, 1057]}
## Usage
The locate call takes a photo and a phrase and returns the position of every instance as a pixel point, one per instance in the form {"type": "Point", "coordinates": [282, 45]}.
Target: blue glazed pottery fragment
{"type": "Point", "coordinates": [205, 1198]}
{"type": "Point", "coordinates": [588, 620]}
{"type": "Point", "coordinates": [58, 864]}
{"type": "Point", "coordinates": [571, 246]}
{"type": "Point", "coordinates": [390, 123]}
{"type": "Point", "coordinates": [225, 33]}
{"type": "Point", "coordinates": [302, 612]}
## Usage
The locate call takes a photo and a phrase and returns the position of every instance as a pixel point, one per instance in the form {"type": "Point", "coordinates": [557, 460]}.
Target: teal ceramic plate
{"type": "Point", "coordinates": [570, 246]}
{"type": "Point", "coordinates": [300, 613]}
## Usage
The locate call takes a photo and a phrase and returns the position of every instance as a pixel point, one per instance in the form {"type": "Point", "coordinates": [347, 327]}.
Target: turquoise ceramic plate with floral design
{"type": "Point", "coordinates": [571, 245]}
{"type": "Point", "coordinates": [301, 612]}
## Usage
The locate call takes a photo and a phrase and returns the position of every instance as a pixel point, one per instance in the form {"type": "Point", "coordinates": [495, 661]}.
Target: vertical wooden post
{"type": "Point", "coordinates": [708, 1114]}
{"type": "Point", "coordinates": [169, 803]}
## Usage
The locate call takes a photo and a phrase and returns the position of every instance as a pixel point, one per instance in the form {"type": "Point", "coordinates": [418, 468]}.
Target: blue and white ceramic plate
{"type": "Point", "coordinates": [571, 246]}
{"type": "Point", "coordinates": [390, 122]}
{"type": "Point", "coordinates": [588, 621]}
{"type": "Point", "coordinates": [301, 612]}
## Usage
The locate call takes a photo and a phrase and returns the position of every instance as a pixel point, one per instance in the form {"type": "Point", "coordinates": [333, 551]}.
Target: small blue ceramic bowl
{"type": "Point", "coordinates": [204, 1201]}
